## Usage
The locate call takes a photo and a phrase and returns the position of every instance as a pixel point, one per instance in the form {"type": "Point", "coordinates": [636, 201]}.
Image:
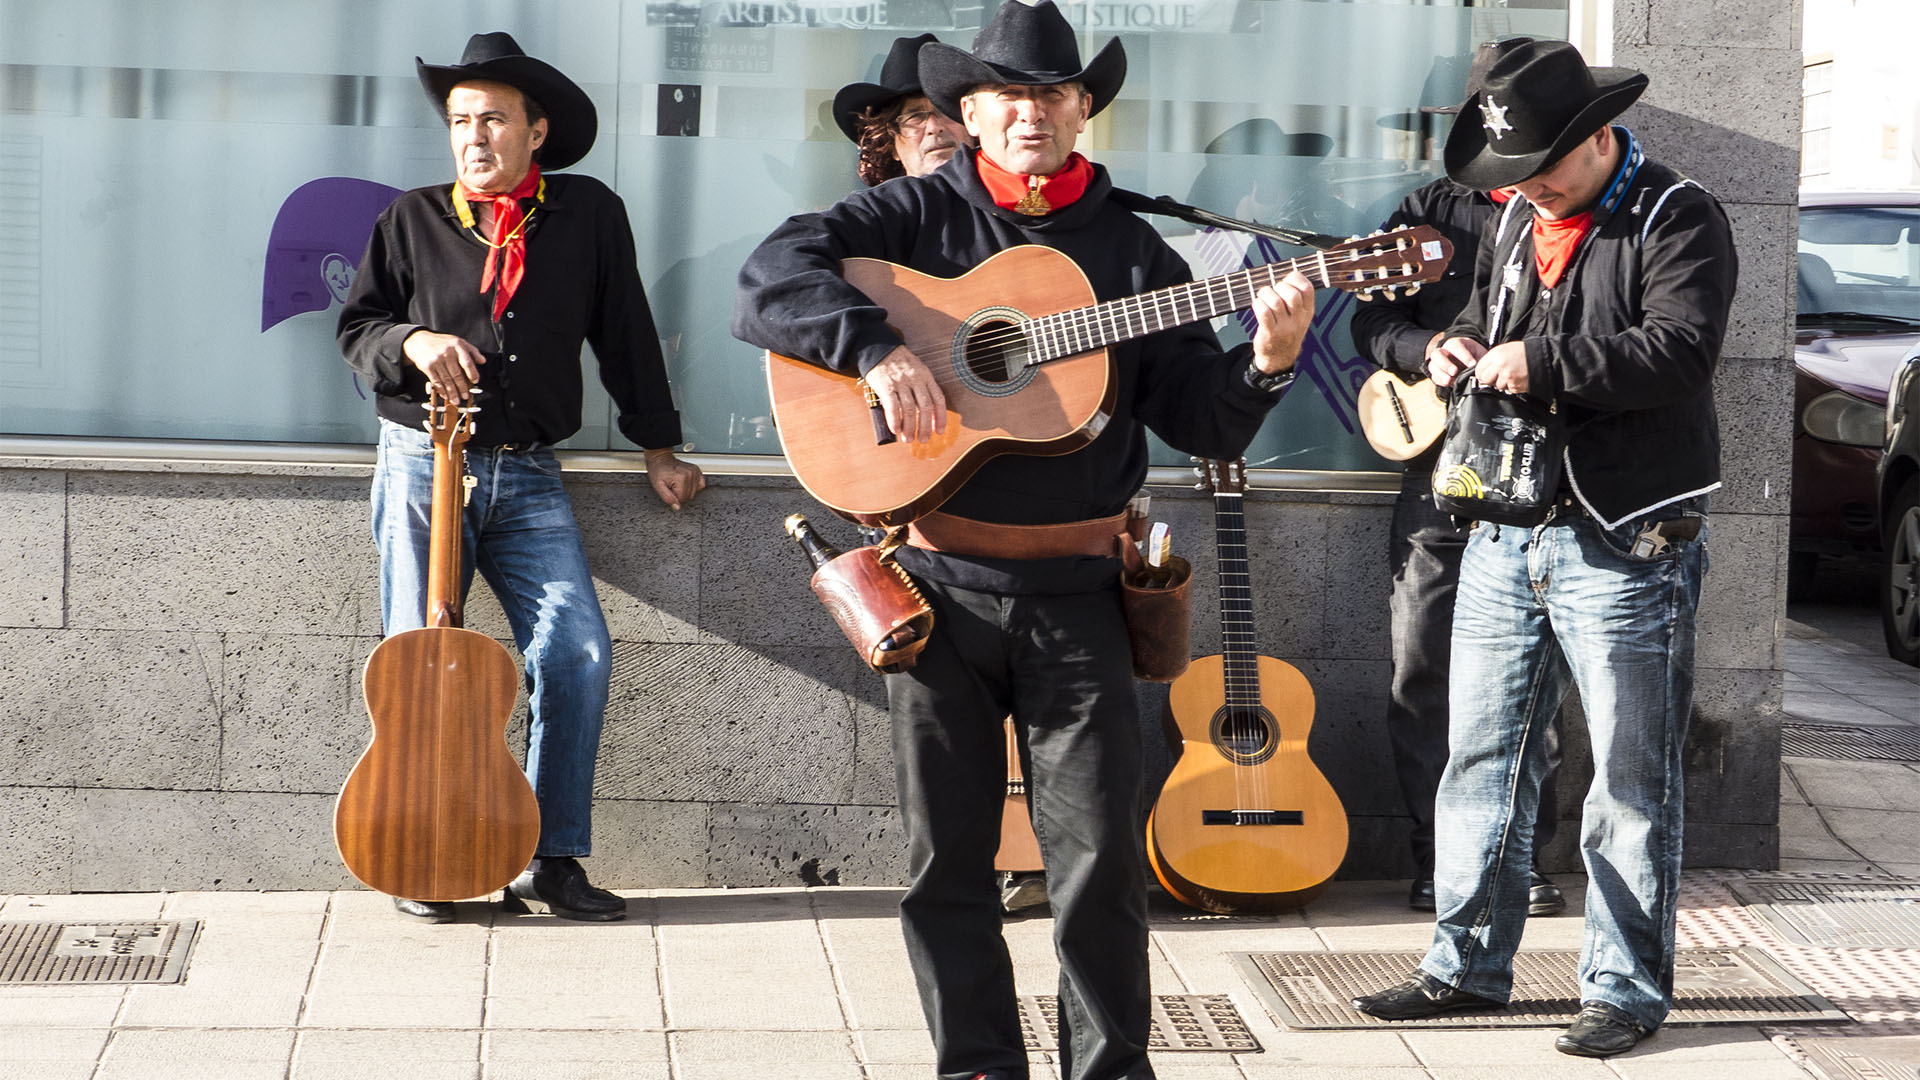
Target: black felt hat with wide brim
{"type": "Point", "coordinates": [1538, 102]}
{"type": "Point", "coordinates": [572, 122]}
{"type": "Point", "coordinates": [899, 78]}
{"type": "Point", "coordinates": [1024, 45]}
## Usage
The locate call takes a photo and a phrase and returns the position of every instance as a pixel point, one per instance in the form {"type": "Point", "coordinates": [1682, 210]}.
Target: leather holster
{"type": "Point", "coordinates": [877, 606]}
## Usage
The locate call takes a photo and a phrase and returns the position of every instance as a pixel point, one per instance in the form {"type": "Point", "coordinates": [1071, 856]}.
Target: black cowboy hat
{"type": "Point", "coordinates": [1441, 94]}
{"type": "Point", "coordinates": [899, 78]}
{"type": "Point", "coordinates": [1537, 103]}
{"type": "Point", "coordinates": [1024, 45]}
{"type": "Point", "coordinates": [1266, 137]}
{"type": "Point", "coordinates": [572, 122]}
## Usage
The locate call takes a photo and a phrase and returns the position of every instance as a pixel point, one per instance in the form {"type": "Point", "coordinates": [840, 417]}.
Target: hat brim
{"type": "Point", "coordinates": [1472, 162]}
{"type": "Point", "coordinates": [856, 98]}
{"type": "Point", "coordinates": [572, 121]}
{"type": "Point", "coordinates": [948, 73]}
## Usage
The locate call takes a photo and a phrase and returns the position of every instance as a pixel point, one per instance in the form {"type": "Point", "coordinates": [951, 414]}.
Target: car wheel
{"type": "Point", "coordinates": [1900, 576]}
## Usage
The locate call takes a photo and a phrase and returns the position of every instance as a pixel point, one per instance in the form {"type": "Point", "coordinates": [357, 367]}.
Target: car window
{"type": "Point", "coordinates": [1863, 259]}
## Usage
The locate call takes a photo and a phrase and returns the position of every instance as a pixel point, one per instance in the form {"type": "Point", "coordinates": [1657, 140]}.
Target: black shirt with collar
{"type": "Point", "coordinates": [422, 269]}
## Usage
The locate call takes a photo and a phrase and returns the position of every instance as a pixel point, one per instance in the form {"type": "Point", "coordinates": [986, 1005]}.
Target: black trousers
{"type": "Point", "coordinates": [1059, 666]}
{"type": "Point", "coordinates": [1424, 557]}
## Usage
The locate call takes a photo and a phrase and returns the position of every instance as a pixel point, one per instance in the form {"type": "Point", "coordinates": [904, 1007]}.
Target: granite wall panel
{"type": "Point", "coordinates": [33, 548]}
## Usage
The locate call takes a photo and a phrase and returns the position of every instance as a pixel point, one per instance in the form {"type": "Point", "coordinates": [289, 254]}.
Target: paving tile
{"type": "Point", "coordinates": [1329, 1072]}
{"type": "Point", "coordinates": [1441, 1049]}
{"type": "Point", "coordinates": [386, 1045]}
{"type": "Point", "coordinates": [19, 1048]}
{"type": "Point", "coordinates": [895, 1046]}
{"type": "Point", "coordinates": [70, 907]}
{"type": "Point", "coordinates": [1332, 1049]}
{"type": "Point", "coordinates": [181, 1007]}
{"type": "Point", "coordinates": [1565, 1068]}
{"type": "Point", "coordinates": [535, 1048]}
{"type": "Point", "coordinates": [41, 1007]}
{"type": "Point", "coordinates": [1827, 866]}
{"type": "Point", "coordinates": [1706, 1043]}
{"type": "Point", "coordinates": [171, 1054]}
{"type": "Point", "coordinates": [358, 1070]}
{"type": "Point", "coordinates": [584, 977]}
{"type": "Point", "coordinates": [1804, 835]}
{"type": "Point", "coordinates": [741, 1048]}
{"type": "Point", "coordinates": [1867, 785]}
{"type": "Point", "coordinates": [1652, 1068]}
{"type": "Point", "coordinates": [769, 996]}
{"type": "Point", "coordinates": [1875, 834]}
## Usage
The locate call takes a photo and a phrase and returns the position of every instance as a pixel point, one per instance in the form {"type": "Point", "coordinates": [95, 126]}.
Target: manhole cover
{"type": "Point", "coordinates": [1180, 1022]}
{"type": "Point", "coordinates": [1882, 1058]}
{"type": "Point", "coordinates": [1865, 913]}
{"type": "Point", "coordinates": [1306, 990]}
{"type": "Point", "coordinates": [1850, 743]}
{"type": "Point", "coordinates": [121, 952]}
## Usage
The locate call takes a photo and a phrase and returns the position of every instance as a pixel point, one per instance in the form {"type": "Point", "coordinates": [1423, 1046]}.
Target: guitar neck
{"type": "Point", "coordinates": [1083, 329]}
{"type": "Point", "coordinates": [1239, 658]}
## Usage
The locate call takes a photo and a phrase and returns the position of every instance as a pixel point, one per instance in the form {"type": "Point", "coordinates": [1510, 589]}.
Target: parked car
{"type": "Point", "coordinates": [1857, 316]}
{"type": "Point", "coordinates": [1900, 515]}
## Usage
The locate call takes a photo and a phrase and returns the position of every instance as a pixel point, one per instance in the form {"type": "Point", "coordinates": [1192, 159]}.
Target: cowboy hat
{"type": "Point", "coordinates": [1024, 45]}
{"type": "Point", "coordinates": [899, 78]}
{"type": "Point", "coordinates": [571, 120]}
{"type": "Point", "coordinates": [1537, 103]}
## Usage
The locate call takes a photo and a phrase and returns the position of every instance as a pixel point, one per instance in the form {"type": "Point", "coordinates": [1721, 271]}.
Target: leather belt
{"type": "Point", "coordinates": [965, 536]}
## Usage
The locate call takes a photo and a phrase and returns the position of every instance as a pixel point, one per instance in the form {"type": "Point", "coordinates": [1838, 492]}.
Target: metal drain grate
{"type": "Point", "coordinates": [35, 953]}
{"type": "Point", "coordinates": [1308, 990]}
{"type": "Point", "coordinates": [1180, 1022]}
{"type": "Point", "coordinates": [1884, 1058]}
{"type": "Point", "coordinates": [1850, 743]}
{"type": "Point", "coordinates": [1863, 913]}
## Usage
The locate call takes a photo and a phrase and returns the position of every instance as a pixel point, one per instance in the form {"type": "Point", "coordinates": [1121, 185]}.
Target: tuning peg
{"type": "Point", "coordinates": [1365, 294]}
{"type": "Point", "coordinates": [1392, 293]}
{"type": "Point", "coordinates": [1411, 289]}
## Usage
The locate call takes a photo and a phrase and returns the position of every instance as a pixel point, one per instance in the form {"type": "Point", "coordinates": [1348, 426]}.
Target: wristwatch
{"type": "Point", "coordinates": [1272, 384]}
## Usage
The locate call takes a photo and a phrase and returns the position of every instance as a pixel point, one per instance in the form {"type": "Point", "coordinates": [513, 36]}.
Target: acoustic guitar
{"type": "Point", "coordinates": [1019, 851]}
{"type": "Point", "coordinates": [1401, 419]}
{"type": "Point", "coordinates": [436, 808]}
{"type": "Point", "coordinates": [1018, 347]}
{"type": "Point", "coordinates": [1245, 823]}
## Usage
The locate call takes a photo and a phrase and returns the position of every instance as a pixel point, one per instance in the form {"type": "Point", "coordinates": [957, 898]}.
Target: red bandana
{"type": "Point", "coordinates": [1035, 195]}
{"type": "Point", "coordinates": [1554, 243]}
{"type": "Point", "coordinates": [509, 239]}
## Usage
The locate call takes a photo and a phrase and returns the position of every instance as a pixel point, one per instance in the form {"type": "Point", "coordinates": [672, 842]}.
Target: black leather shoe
{"type": "Point", "coordinates": [1420, 897]}
{"type": "Point", "coordinates": [1420, 997]}
{"type": "Point", "coordinates": [561, 887]}
{"type": "Point", "coordinates": [1544, 897]}
{"type": "Point", "coordinates": [1600, 1031]}
{"type": "Point", "coordinates": [428, 911]}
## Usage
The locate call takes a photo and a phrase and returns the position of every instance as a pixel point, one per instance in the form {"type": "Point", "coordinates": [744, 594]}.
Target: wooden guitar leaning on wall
{"type": "Point", "coordinates": [437, 809]}
{"type": "Point", "coordinates": [1245, 823]}
{"type": "Point", "coordinates": [1019, 851]}
{"type": "Point", "coordinates": [1018, 347]}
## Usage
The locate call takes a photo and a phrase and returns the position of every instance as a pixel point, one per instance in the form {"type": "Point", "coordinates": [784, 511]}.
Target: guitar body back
{"type": "Point", "coordinates": [961, 329]}
{"type": "Point", "coordinates": [1201, 858]}
{"type": "Point", "coordinates": [437, 809]}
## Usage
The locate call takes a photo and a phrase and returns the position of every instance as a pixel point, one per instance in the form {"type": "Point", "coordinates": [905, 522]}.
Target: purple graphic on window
{"type": "Point", "coordinates": [317, 240]}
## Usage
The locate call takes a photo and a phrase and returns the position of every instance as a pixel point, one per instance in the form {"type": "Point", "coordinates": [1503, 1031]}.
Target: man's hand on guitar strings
{"type": "Point", "coordinates": [450, 363]}
{"type": "Point", "coordinates": [915, 408]}
{"type": "Point", "coordinates": [1284, 312]}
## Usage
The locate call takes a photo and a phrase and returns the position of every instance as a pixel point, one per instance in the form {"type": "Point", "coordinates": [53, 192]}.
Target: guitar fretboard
{"type": "Point", "coordinates": [1240, 662]}
{"type": "Point", "coordinates": [1050, 337]}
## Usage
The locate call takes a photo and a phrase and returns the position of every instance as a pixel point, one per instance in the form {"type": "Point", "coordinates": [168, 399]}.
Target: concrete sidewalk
{"type": "Point", "coordinates": [813, 983]}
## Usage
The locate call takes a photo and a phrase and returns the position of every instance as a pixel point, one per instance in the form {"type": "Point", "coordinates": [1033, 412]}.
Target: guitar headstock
{"type": "Point", "coordinates": [449, 424]}
{"type": "Point", "coordinates": [1221, 477]}
{"type": "Point", "coordinates": [1384, 262]}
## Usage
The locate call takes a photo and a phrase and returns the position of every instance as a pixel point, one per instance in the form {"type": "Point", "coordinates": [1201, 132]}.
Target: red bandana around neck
{"type": "Point", "coordinates": [1554, 243]}
{"type": "Point", "coordinates": [1033, 195]}
{"type": "Point", "coordinates": [509, 240]}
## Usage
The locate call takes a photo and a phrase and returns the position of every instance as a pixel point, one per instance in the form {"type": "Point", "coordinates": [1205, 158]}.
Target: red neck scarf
{"type": "Point", "coordinates": [1554, 243]}
{"type": "Point", "coordinates": [1035, 195]}
{"type": "Point", "coordinates": [509, 240]}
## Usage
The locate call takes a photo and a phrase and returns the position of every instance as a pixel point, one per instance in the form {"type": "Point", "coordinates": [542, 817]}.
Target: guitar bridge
{"type": "Point", "coordinates": [1252, 817]}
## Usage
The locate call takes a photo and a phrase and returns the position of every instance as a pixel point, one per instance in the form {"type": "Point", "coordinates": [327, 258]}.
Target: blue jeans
{"type": "Point", "coordinates": [518, 531]}
{"type": "Point", "coordinates": [1539, 609]}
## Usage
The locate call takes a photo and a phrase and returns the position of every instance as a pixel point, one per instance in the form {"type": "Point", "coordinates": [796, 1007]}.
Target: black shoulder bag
{"type": "Point", "coordinates": [1500, 458]}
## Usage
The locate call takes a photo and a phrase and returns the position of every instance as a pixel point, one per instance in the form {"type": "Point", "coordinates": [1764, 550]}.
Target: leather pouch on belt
{"type": "Point", "coordinates": [877, 607]}
{"type": "Point", "coordinates": [1158, 603]}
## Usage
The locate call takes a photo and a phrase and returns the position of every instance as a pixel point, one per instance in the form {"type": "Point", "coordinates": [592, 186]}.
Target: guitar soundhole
{"type": "Point", "coordinates": [1245, 736]}
{"type": "Point", "coordinates": [992, 354]}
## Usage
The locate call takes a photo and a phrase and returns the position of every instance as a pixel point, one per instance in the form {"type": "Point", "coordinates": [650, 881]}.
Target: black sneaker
{"type": "Point", "coordinates": [1601, 1030]}
{"type": "Point", "coordinates": [1420, 997]}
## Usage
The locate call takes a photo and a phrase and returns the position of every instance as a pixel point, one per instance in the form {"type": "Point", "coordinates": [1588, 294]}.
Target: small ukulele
{"type": "Point", "coordinates": [436, 808]}
{"type": "Point", "coordinates": [1401, 419]}
{"type": "Point", "coordinates": [1245, 823]}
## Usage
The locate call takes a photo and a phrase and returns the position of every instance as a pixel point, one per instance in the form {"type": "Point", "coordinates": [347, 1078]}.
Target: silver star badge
{"type": "Point", "coordinates": [1496, 117]}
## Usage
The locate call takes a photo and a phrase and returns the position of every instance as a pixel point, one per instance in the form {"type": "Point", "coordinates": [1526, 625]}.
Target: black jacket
{"type": "Point", "coordinates": [422, 271]}
{"type": "Point", "coordinates": [1394, 333]}
{"type": "Point", "coordinates": [1628, 342]}
{"type": "Point", "coordinates": [1178, 382]}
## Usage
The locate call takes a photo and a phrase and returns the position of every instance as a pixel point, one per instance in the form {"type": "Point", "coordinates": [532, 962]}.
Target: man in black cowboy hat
{"type": "Point", "coordinates": [1424, 544]}
{"type": "Point", "coordinates": [1602, 287]}
{"type": "Point", "coordinates": [1040, 636]}
{"type": "Point", "coordinates": [484, 290]}
{"type": "Point", "coordinates": [897, 129]}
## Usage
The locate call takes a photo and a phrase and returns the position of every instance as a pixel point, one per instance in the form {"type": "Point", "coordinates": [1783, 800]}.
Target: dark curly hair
{"type": "Point", "coordinates": [878, 162]}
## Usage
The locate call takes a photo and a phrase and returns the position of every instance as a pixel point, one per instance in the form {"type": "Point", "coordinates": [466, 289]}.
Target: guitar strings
{"type": "Point", "coordinates": [1108, 316]}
